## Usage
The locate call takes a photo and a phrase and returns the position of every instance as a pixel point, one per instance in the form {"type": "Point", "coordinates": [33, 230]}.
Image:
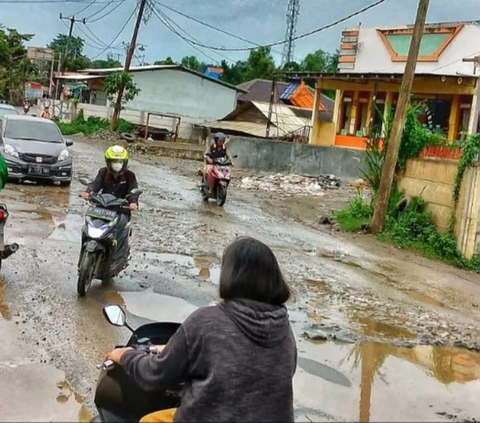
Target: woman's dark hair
{"type": "Point", "coordinates": [251, 271]}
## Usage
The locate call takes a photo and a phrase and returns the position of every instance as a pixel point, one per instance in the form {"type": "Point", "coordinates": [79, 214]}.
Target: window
{"type": "Point", "coordinates": [346, 113]}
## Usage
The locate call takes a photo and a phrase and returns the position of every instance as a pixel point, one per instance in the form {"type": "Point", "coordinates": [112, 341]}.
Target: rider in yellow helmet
{"type": "Point", "coordinates": [116, 179]}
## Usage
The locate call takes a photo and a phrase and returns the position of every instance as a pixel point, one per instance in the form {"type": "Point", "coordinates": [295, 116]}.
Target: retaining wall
{"type": "Point", "coordinates": [303, 159]}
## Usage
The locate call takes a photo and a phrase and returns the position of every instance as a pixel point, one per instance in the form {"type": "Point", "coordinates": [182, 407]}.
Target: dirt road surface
{"type": "Point", "coordinates": [402, 331]}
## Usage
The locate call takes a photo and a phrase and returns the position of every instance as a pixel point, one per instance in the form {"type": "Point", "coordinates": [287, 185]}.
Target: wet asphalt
{"type": "Point", "coordinates": [395, 322]}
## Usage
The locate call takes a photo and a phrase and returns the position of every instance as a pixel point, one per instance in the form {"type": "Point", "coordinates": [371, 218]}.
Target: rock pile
{"type": "Point", "coordinates": [290, 185]}
{"type": "Point", "coordinates": [105, 134]}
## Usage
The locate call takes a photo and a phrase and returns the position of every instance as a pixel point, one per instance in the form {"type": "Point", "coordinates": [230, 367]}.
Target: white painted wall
{"type": "Point", "coordinates": [372, 56]}
{"type": "Point", "coordinates": [182, 93]}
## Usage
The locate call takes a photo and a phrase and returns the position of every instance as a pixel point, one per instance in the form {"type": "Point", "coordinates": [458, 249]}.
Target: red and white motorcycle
{"type": "Point", "coordinates": [216, 185]}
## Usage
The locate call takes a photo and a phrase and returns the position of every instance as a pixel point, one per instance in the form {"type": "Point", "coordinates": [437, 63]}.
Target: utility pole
{"type": "Point", "coordinates": [128, 61]}
{"type": "Point", "coordinates": [475, 110]}
{"type": "Point", "coordinates": [391, 156]}
{"type": "Point", "coordinates": [70, 32]}
{"type": "Point", "coordinates": [270, 106]}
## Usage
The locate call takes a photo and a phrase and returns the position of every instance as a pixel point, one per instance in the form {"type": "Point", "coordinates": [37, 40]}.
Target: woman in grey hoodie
{"type": "Point", "coordinates": [236, 359]}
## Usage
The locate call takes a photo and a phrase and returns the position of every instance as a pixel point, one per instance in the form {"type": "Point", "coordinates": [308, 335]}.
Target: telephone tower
{"type": "Point", "coordinates": [293, 11]}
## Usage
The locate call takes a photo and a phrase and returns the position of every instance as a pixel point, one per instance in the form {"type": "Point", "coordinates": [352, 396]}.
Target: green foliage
{"type": "Point", "coordinates": [356, 215]}
{"type": "Point", "coordinates": [115, 81]}
{"type": "Point", "coordinates": [167, 61]}
{"type": "Point", "coordinates": [191, 62]}
{"type": "Point", "coordinates": [14, 65]}
{"type": "Point", "coordinates": [260, 64]}
{"type": "Point", "coordinates": [91, 125]}
{"type": "Point", "coordinates": [71, 51]}
{"type": "Point", "coordinates": [411, 228]}
{"type": "Point", "coordinates": [105, 64]}
{"type": "Point", "coordinates": [414, 137]}
{"type": "Point", "coordinates": [468, 157]}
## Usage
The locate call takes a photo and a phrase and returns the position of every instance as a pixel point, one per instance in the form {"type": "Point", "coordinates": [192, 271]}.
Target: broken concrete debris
{"type": "Point", "coordinates": [290, 185]}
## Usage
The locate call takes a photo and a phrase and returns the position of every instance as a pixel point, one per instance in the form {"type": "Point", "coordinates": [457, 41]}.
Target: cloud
{"type": "Point", "coordinates": [261, 21]}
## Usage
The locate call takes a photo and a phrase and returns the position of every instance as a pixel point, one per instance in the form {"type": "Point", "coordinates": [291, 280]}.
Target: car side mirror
{"type": "Point", "coordinates": [115, 315]}
{"type": "Point", "coordinates": [235, 156]}
{"type": "Point", "coordinates": [69, 142]}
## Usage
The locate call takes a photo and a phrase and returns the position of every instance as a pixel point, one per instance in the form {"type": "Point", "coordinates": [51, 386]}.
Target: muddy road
{"type": "Point", "coordinates": [372, 323]}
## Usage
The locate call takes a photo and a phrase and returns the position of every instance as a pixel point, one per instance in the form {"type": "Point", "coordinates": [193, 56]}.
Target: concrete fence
{"type": "Point", "coordinates": [434, 180]}
{"type": "Point", "coordinates": [303, 159]}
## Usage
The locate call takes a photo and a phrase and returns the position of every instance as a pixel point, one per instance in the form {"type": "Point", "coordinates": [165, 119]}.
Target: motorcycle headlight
{"type": "Point", "coordinates": [94, 232]}
{"type": "Point", "coordinates": [64, 155]}
{"type": "Point", "coordinates": [10, 150]}
{"type": "Point", "coordinates": [220, 174]}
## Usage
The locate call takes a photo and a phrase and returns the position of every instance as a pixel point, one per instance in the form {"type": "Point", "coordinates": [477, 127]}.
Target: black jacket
{"type": "Point", "coordinates": [119, 186]}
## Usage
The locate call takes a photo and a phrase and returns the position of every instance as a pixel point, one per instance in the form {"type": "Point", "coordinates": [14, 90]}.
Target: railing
{"type": "Point", "coordinates": [441, 152]}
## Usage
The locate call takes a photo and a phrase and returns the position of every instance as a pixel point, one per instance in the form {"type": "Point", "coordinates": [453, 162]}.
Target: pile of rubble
{"type": "Point", "coordinates": [107, 135]}
{"type": "Point", "coordinates": [290, 185]}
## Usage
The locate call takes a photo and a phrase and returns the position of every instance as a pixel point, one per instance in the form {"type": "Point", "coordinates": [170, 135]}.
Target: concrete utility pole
{"type": "Point", "coordinates": [70, 31]}
{"type": "Point", "coordinates": [391, 157]}
{"type": "Point", "coordinates": [273, 92]}
{"type": "Point", "coordinates": [128, 61]}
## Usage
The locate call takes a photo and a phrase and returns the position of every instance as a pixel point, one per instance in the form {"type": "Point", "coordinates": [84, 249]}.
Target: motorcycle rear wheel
{"type": "Point", "coordinates": [221, 195]}
{"type": "Point", "coordinates": [85, 273]}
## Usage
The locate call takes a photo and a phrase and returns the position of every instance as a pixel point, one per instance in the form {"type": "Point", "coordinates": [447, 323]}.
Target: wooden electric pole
{"type": "Point", "coordinates": [393, 146]}
{"type": "Point", "coordinates": [128, 61]}
{"type": "Point", "coordinates": [70, 33]}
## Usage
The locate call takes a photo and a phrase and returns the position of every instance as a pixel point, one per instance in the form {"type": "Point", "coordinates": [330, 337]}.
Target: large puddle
{"type": "Point", "coordinates": [361, 382]}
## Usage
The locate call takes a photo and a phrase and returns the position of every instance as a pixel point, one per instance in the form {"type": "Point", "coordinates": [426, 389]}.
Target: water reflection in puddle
{"type": "Point", "coordinates": [423, 380]}
{"type": "Point", "coordinates": [206, 267]}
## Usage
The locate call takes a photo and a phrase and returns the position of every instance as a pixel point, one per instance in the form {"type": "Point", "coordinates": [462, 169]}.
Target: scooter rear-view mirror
{"type": "Point", "coordinates": [84, 181]}
{"type": "Point", "coordinates": [136, 191]}
{"type": "Point", "coordinates": [115, 315]}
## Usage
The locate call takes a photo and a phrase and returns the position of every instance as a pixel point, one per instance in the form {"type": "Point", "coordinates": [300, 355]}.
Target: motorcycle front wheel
{"type": "Point", "coordinates": [221, 195]}
{"type": "Point", "coordinates": [85, 273]}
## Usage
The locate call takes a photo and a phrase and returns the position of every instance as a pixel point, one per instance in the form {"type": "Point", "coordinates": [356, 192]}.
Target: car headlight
{"type": "Point", "coordinates": [64, 155]}
{"type": "Point", "coordinates": [10, 150]}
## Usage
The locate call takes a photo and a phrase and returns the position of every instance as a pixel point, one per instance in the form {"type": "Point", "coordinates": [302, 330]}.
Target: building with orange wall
{"type": "Point", "coordinates": [370, 71]}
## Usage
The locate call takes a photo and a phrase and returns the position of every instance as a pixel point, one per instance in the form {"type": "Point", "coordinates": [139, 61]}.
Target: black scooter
{"type": "Point", "coordinates": [99, 239]}
{"type": "Point", "coordinates": [117, 397]}
{"type": "Point", "coordinates": [6, 250]}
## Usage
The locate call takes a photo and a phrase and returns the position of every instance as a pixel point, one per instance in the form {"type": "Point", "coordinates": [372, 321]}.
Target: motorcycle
{"type": "Point", "coordinates": [217, 184]}
{"type": "Point", "coordinates": [99, 239]}
{"type": "Point", "coordinates": [6, 250]}
{"type": "Point", "coordinates": [117, 397]}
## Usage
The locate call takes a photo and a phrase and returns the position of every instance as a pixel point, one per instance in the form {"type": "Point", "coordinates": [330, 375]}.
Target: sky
{"type": "Point", "coordinates": [258, 21]}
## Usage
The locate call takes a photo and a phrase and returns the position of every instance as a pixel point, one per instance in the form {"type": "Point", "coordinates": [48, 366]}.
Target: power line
{"type": "Point", "coordinates": [298, 37]}
{"type": "Point", "coordinates": [52, 1]}
{"type": "Point", "coordinates": [106, 14]}
{"type": "Point", "coordinates": [92, 2]}
{"type": "Point", "coordinates": [167, 21]}
{"type": "Point", "coordinates": [206, 24]}
{"type": "Point", "coordinates": [118, 34]}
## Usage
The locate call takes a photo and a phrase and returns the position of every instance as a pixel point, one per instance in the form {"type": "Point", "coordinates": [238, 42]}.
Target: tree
{"type": "Point", "coordinates": [71, 50]}
{"type": "Point", "coordinates": [292, 67]}
{"type": "Point", "coordinates": [320, 61]}
{"type": "Point", "coordinates": [105, 64]}
{"type": "Point", "coordinates": [260, 64]}
{"type": "Point", "coordinates": [167, 61]}
{"type": "Point", "coordinates": [191, 62]}
{"type": "Point", "coordinates": [14, 64]}
{"type": "Point", "coordinates": [234, 74]}
{"type": "Point", "coordinates": [114, 81]}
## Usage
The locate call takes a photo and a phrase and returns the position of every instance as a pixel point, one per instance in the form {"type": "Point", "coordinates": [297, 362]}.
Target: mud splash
{"type": "Point", "coordinates": [358, 382]}
{"type": "Point", "coordinates": [67, 394]}
{"type": "Point", "coordinates": [4, 307]}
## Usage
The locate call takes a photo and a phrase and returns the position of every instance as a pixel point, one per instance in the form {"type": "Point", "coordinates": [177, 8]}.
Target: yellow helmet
{"type": "Point", "coordinates": [116, 154]}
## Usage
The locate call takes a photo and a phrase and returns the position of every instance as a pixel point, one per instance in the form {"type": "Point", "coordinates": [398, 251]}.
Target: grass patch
{"type": "Point", "coordinates": [412, 228]}
{"type": "Point", "coordinates": [92, 125]}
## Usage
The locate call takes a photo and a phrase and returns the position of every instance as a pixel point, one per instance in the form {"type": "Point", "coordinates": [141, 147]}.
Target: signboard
{"type": "Point", "coordinates": [41, 54]}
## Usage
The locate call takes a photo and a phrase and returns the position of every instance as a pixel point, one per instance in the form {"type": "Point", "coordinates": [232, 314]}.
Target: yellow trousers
{"type": "Point", "coordinates": [163, 416]}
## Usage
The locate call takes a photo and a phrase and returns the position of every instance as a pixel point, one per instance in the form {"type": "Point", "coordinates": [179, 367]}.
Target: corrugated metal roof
{"type": "Point", "coordinates": [247, 128]}
{"type": "Point", "coordinates": [79, 77]}
{"type": "Point", "coordinates": [283, 117]}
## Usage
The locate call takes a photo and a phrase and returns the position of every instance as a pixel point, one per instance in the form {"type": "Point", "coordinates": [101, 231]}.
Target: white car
{"type": "Point", "coordinates": [6, 109]}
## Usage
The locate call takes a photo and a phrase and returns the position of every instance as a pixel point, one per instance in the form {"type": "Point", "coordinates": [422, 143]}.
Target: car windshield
{"type": "Point", "coordinates": [33, 131]}
{"type": "Point", "coordinates": [5, 112]}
